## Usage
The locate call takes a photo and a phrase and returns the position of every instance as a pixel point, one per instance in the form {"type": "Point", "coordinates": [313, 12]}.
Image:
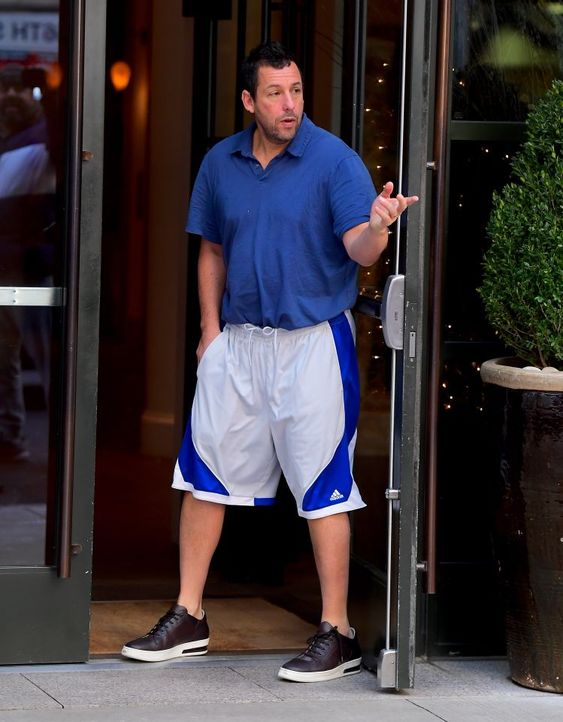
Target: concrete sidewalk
{"type": "Point", "coordinates": [245, 687]}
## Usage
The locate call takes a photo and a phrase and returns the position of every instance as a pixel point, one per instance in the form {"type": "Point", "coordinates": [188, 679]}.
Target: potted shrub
{"type": "Point", "coordinates": [522, 292]}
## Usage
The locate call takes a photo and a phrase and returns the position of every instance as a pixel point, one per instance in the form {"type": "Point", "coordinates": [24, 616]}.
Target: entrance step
{"type": "Point", "coordinates": [237, 625]}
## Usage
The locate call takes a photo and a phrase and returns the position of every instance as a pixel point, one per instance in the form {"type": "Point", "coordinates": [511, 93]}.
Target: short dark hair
{"type": "Point", "coordinates": [12, 76]}
{"type": "Point", "coordinates": [272, 54]}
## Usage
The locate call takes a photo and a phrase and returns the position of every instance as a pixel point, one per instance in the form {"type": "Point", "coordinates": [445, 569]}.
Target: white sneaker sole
{"type": "Point", "coordinates": [190, 649]}
{"type": "Point", "coordinates": [353, 666]}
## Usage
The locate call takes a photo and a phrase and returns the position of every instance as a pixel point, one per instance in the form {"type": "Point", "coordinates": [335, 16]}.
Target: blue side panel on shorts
{"type": "Point", "coordinates": [334, 483]}
{"type": "Point", "coordinates": [194, 470]}
{"type": "Point", "coordinates": [264, 501]}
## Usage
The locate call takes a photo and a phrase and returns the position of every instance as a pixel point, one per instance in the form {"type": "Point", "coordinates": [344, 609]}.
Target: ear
{"type": "Point", "coordinates": [247, 101]}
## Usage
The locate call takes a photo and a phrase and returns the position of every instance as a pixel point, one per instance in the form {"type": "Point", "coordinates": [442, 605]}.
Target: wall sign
{"type": "Point", "coordinates": [23, 33]}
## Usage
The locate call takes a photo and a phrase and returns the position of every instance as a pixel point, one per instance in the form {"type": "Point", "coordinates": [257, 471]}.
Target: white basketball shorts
{"type": "Point", "coordinates": [270, 400]}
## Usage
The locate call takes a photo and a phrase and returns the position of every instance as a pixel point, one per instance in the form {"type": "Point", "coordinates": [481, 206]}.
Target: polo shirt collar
{"type": "Point", "coordinates": [296, 148]}
{"type": "Point", "coordinates": [299, 143]}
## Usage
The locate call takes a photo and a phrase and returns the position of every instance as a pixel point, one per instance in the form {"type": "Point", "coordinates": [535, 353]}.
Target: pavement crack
{"type": "Point", "coordinates": [260, 686]}
{"type": "Point", "coordinates": [420, 706]}
{"type": "Point", "coordinates": [61, 705]}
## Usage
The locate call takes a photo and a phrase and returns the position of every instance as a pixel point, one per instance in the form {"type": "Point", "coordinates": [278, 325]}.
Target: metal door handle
{"type": "Point", "coordinates": [31, 296]}
{"type": "Point", "coordinates": [368, 306]}
{"type": "Point", "coordinates": [75, 103]}
{"type": "Point", "coordinates": [393, 311]}
{"type": "Point", "coordinates": [436, 283]}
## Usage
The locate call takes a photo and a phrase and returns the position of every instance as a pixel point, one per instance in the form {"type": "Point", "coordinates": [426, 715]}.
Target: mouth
{"type": "Point", "coordinates": [288, 122]}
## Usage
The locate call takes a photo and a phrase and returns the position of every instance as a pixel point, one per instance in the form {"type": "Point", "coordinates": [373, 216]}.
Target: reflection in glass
{"type": "Point", "coordinates": [477, 169]}
{"type": "Point", "coordinates": [30, 82]}
{"type": "Point", "coordinates": [506, 54]}
{"type": "Point", "coordinates": [380, 153]}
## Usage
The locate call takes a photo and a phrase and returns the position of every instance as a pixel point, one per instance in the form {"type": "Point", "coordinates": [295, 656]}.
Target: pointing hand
{"type": "Point", "coordinates": [385, 210]}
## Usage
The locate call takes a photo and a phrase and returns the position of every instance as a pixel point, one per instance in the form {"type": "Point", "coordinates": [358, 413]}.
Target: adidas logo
{"type": "Point", "coordinates": [336, 495]}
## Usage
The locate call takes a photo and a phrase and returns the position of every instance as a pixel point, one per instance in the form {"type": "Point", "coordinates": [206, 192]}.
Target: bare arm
{"type": "Point", "coordinates": [211, 278]}
{"type": "Point", "coordinates": [366, 242]}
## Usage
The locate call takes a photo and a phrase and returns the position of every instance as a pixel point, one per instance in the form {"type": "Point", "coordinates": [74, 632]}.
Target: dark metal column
{"type": "Point", "coordinates": [441, 122]}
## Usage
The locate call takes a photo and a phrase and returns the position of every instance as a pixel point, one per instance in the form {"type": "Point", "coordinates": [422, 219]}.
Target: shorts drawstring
{"type": "Point", "coordinates": [250, 328]}
{"type": "Point", "coordinates": [266, 331]}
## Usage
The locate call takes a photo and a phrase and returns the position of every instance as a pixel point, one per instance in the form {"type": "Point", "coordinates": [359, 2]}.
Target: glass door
{"type": "Point", "coordinates": [51, 116]}
{"type": "Point", "coordinates": [503, 58]}
{"type": "Point", "coordinates": [393, 138]}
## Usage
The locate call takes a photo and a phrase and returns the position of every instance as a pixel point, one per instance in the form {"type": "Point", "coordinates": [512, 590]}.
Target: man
{"type": "Point", "coordinates": [27, 188]}
{"type": "Point", "coordinates": [286, 211]}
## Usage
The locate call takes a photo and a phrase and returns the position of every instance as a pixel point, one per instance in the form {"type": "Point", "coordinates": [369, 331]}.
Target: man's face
{"type": "Point", "coordinates": [278, 105]}
{"type": "Point", "coordinates": [18, 109]}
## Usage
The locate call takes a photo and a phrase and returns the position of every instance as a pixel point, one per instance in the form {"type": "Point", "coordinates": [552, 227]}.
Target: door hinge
{"type": "Point", "coordinates": [422, 566]}
{"type": "Point", "coordinates": [392, 494]}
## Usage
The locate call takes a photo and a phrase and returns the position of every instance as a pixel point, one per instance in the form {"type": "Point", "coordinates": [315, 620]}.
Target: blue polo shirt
{"type": "Point", "coordinates": [281, 227]}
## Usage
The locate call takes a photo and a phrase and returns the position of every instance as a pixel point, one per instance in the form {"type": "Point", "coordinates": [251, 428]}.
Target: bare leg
{"type": "Point", "coordinates": [330, 537]}
{"type": "Point", "coordinates": [200, 529]}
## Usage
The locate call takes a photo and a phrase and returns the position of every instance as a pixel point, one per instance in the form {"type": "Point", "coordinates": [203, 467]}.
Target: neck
{"type": "Point", "coordinates": [263, 149]}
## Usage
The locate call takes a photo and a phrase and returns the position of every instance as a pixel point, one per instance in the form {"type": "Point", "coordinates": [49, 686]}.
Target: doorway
{"type": "Point", "coordinates": [351, 56]}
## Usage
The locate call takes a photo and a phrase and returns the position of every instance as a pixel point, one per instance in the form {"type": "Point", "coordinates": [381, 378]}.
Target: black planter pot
{"type": "Point", "coordinates": [529, 529]}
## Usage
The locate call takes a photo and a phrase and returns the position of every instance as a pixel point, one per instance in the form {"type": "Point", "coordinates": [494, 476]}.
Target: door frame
{"type": "Point", "coordinates": [422, 18]}
{"type": "Point", "coordinates": [57, 628]}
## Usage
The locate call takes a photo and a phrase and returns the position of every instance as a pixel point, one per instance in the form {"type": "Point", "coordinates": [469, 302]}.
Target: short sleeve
{"type": "Point", "coordinates": [201, 214]}
{"type": "Point", "coordinates": [351, 194]}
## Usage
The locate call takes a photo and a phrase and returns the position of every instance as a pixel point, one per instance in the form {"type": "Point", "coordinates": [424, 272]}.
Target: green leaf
{"type": "Point", "coordinates": [522, 288]}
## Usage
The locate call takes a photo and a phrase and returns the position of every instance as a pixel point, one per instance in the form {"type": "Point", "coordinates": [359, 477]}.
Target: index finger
{"type": "Point", "coordinates": [407, 200]}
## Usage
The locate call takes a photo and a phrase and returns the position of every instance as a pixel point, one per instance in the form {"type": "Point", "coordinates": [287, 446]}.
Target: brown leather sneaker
{"type": "Point", "coordinates": [176, 634]}
{"type": "Point", "coordinates": [329, 655]}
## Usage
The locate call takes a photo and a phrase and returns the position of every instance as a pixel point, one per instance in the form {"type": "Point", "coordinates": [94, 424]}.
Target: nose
{"type": "Point", "coordinates": [288, 101]}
